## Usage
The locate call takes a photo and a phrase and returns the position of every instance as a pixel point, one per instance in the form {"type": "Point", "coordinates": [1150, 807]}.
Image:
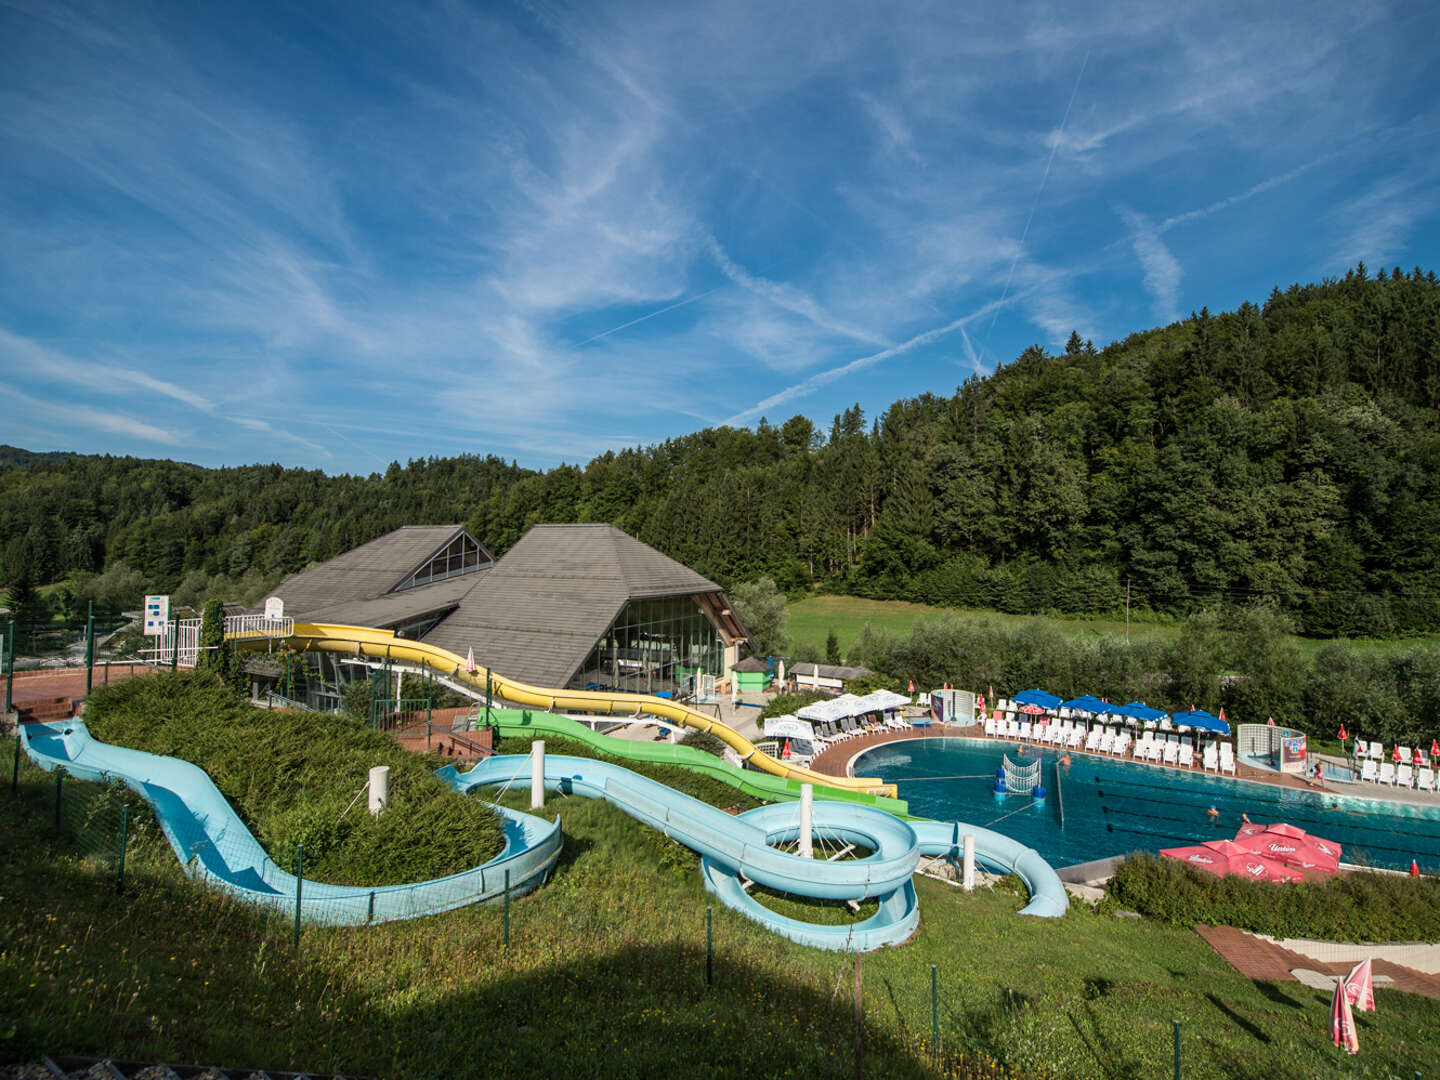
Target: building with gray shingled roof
{"type": "Point", "coordinates": [579, 606]}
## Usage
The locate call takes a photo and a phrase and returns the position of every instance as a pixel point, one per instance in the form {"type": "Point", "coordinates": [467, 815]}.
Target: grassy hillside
{"type": "Point", "coordinates": [605, 976]}
{"type": "Point", "coordinates": [291, 776]}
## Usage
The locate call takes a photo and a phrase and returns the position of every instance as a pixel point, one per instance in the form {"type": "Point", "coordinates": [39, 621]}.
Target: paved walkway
{"type": "Point", "coordinates": [1267, 961]}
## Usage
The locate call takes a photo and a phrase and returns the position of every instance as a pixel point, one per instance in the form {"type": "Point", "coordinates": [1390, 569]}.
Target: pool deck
{"type": "Point", "coordinates": [838, 760]}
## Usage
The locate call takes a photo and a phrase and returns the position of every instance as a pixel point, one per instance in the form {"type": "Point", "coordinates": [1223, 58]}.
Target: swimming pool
{"type": "Point", "coordinates": [1113, 807]}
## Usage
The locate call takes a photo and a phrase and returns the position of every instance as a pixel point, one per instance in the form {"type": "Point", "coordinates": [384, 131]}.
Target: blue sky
{"type": "Point", "coordinates": [337, 235]}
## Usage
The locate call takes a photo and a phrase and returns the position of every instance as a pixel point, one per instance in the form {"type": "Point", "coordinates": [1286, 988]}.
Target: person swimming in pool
{"type": "Point", "coordinates": [1213, 814]}
{"type": "Point", "coordinates": [1244, 818]}
{"type": "Point", "coordinates": [1065, 760]}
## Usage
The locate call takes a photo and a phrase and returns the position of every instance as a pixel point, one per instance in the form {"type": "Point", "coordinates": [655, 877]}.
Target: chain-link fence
{"type": "Point", "coordinates": [94, 819]}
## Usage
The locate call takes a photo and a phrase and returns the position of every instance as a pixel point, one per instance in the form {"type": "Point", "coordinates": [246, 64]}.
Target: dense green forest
{"type": "Point", "coordinates": [1288, 453]}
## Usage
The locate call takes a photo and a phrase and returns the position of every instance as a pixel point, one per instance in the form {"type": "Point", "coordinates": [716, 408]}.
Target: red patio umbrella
{"type": "Point", "coordinates": [1435, 747]}
{"type": "Point", "coordinates": [1342, 735]}
{"type": "Point", "coordinates": [1395, 753]}
{"type": "Point", "coordinates": [1342, 1020]}
{"type": "Point", "coordinates": [1418, 759]}
{"type": "Point", "coordinates": [1224, 857]}
{"type": "Point", "coordinates": [1033, 710]}
{"type": "Point", "coordinates": [1292, 846]}
{"type": "Point", "coordinates": [1360, 987]}
{"type": "Point", "coordinates": [786, 752]}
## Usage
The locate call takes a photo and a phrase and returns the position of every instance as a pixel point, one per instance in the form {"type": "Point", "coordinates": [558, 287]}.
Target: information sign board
{"type": "Point", "coordinates": [157, 615]}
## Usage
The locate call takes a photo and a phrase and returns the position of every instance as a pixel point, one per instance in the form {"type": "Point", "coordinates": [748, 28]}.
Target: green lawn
{"type": "Point", "coordinates": [605, 976]}
{"type": "Point", "coordinates": [812, 619]}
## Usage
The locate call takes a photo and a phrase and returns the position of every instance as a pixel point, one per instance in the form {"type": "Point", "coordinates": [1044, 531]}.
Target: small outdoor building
{"type": "Point", "coordinates": [752, 674]}
{"type": "Point", "coordinates": [826, 676]}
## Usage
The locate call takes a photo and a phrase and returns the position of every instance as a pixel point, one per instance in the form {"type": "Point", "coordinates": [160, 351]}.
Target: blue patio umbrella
{"type": "Point", "coordinates": [1086, 703]}
{"type": "Point", "coordinates": [1037, 697]}
{"type": "Point", "coordinates": [1199, 718]}
{"type": "Point", "coordinates": [1141, 711]}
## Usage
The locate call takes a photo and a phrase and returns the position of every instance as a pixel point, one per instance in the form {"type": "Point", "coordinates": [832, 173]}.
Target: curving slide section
{"type": "Point", "coordinates": [736, 849]}
{"type": "Point", "coordinates": [525, 723]}
{"type": "Point", "coordinates": [363, 641]}
{"type": "Point", "coordinates": [208, 836]}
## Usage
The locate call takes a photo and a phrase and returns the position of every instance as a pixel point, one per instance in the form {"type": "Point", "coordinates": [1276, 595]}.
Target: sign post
{"type": "Point", "coordinates": [157, 620]}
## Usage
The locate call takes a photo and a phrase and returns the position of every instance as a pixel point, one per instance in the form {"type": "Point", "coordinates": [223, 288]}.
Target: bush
{"type": "Point", "coordinates": [1357, 907]}
{"type": "Point", "coordinates": [291, 776]}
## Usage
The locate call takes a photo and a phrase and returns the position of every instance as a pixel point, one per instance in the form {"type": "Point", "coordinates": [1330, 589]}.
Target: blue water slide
{"type": "Point", "coordinates": [213, 843]}
{"type": "Point", "coordinates": [738, 850]}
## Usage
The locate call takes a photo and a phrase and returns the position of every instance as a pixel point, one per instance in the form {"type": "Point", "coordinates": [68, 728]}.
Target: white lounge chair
{"type": "Point", "coordinates": [1092, 739]}
{"type": "Point", "coordinates": [1227, 758]}
{"type": "Point", "coordinates": [1187, 755]}
{"type": "Point", "coordinates": [1370, 771]}
{"type": "Point", "coordinates": [1172, 751]}
{"type": "Point", "coordinates": [990, 726]}
{"type": "Point", "coordinates": [1361, 746]}
{"type": "Point", "coordinates": [1405, 755]}
{"type": "Point", "coordinates": [1122, 744]}
{"type": "Point", "coordinates": [1404, 776]}
{"type": "Point", "coordinates": [1425, 780]}
{"type": "Point", "coordinates": [1210, 758]}
{"type": "Point", "coordinates": [1377, 750]}
{"type": "Point", "coordinates": [1387, 772]}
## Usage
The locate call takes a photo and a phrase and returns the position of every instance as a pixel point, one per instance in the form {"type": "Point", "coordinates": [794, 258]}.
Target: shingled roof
{"type": "Point", "coordinates": [537, 614]}
{"type": "Point", "coordinates": [366, 572]}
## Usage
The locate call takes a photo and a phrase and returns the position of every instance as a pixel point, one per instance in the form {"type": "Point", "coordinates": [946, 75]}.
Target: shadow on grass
{"type": "Point", "coordinates": [1238, 1020]}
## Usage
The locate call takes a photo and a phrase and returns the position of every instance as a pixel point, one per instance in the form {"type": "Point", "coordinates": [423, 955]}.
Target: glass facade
{"type": "Point", "coordinates": [461, 556]}
{"type": "Point", "coordinates": [653, 646]}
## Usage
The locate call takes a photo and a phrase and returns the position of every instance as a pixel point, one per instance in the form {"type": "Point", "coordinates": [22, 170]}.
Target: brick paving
{"type": "Point", "coordinates": [1265, 961]}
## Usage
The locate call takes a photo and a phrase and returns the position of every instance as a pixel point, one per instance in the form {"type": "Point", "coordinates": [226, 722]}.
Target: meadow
{"type": "Point", "coordinates": [813, 617]}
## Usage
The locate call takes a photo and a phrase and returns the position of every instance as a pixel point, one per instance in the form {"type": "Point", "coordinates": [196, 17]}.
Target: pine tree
{"type": "Point", "coordinates": [832, 648]}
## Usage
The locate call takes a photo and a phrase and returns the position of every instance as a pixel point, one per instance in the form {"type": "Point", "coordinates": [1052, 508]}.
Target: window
{"type": "Point", "coordinates": [461, 556]}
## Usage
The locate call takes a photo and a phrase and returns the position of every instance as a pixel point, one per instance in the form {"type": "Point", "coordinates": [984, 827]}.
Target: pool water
{"type": "Point", "coordinates": [1114, 807]}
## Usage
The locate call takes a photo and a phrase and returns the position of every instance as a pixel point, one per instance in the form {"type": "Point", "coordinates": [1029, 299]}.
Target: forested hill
{"type": "Point", "coordinates": [1288, 452]}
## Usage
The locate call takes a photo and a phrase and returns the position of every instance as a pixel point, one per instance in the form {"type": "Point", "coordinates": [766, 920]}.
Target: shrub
{"type": "Point", "coordinates": [1350, 907]}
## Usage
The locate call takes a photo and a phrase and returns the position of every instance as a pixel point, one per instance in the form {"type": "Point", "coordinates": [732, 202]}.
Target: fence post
{"type": "Point", "coordinates": [59, 778]}
{"type": "Point", "coordinates": [124, 836]}
{"type": "Point", "coordinates": [859, 1021]}
{"type": "Point", "coordinates": [506, 942]}
{"type": "Point", "coordinates": [370, 914]}
{"type": "Point", "coordinates": [709, 946]}
{"type": "Point", "coordinates": [935, 1010]}
{"type": "Point", "coordinates": [10, 667]}
{"type": "Point", "coordinates": [90, 647]}
{"type": "Point", "coordinates": [1177, 1048]}
{"type": "Point", "coordinates": [299, 878]}
{"type": "Point", "coordinates": [15, 772]}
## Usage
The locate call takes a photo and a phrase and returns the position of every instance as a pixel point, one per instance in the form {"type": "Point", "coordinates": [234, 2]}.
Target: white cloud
{"type": "Point", "coordinates": [1162, 271]}
{"type": "Point", "coordinates": [65, 420]}
{"type": "Point", "coordinates": [21, 354]}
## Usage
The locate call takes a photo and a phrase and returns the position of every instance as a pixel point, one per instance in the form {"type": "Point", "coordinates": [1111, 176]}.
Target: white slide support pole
{"type": "Point", "coordinates": [807, 819]}
{"type": "Point", "coordinates": [379, 788]}
{"type": "Point", "coordinates": [537, 774]}
{"type": "Point", "coordinates": [967, 874]}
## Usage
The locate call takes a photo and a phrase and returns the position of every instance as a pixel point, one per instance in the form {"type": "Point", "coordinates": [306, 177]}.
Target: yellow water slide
{"type": "Point", "coordinates": [381, 644]}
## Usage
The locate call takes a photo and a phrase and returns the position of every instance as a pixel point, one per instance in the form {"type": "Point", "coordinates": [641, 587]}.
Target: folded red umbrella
{"type": "Point", "coordinates": [1292, 846]}
{"type": "Point", "coordinates": [1223, 858]}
